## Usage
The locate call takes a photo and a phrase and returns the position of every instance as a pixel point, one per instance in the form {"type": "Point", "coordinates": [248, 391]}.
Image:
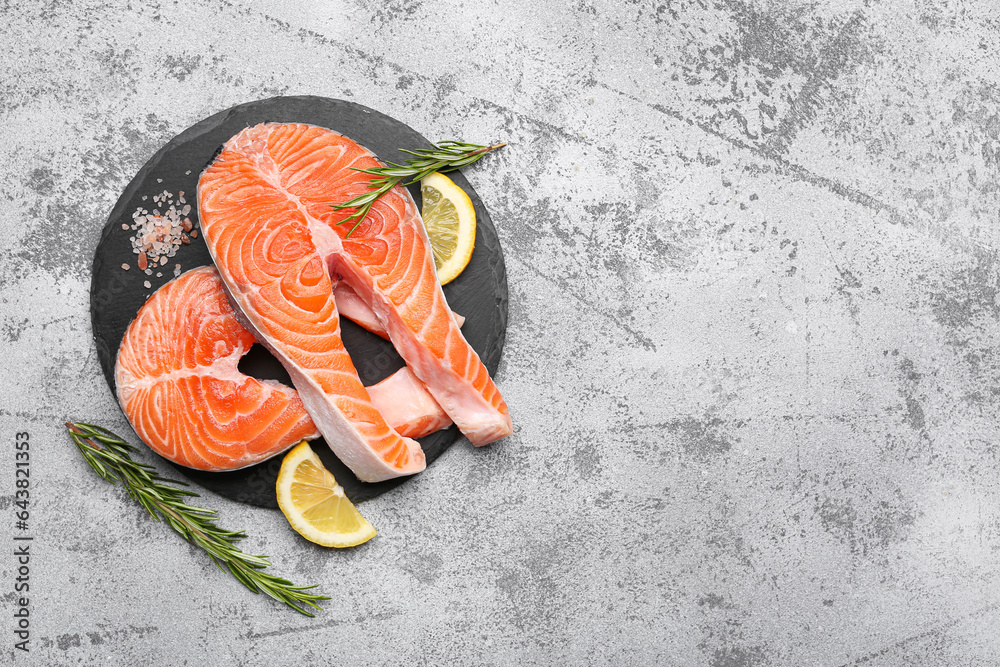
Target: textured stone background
{"type": "Point", "coordinates": [752, 251]}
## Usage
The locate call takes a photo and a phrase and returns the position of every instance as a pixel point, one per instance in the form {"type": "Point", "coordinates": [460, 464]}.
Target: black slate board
{"type": "Point", "coordinates": [480, 293]}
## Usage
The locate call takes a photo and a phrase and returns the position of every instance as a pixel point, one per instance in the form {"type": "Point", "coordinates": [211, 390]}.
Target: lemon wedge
{"type": "Point", "coordinates": [450, 220]}
{"type": "Point", "coordinates": [315, 504]}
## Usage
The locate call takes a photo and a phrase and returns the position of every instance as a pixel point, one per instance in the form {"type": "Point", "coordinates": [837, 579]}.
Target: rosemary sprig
{"type": "Point", "coordinates": [111, 460]}
{"type": "Point", "coordinates": [444, 157]}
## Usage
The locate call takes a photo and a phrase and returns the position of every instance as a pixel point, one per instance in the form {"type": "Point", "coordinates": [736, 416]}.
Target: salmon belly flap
{"type": "Point", "coordinates": [351, 306]}
{"type": "Point", "coordinates": [178, 383]}
{"type": "Point", "coordinates": [406, 404]}
{"type": "Point", "coordinates": [265, 209]}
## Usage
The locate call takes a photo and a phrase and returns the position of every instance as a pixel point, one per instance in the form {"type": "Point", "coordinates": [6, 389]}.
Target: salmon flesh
{"type": "Point", "coordinates": [178, 382]}
{"type": "Point", "coordinates": [265, 210]}
{"type": "Point", "coordinates": [180, 387]}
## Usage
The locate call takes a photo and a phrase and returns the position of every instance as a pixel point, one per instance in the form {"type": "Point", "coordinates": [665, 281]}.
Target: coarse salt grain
{"type": "Point", "coordinates": [177, 270]}
{"type": "Point", "coordinates": [146, 284]}
{"type": "Point", "coordinates": [125, 266]}
{"type": "Point", "coordinates": [158, 235]}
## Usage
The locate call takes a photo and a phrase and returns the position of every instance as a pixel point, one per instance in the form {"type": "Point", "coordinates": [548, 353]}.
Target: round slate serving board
{"type": "Point", "coordinates": [480, 293]}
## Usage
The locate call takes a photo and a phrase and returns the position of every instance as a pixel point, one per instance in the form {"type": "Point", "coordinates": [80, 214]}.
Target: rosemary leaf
{"type": "Point", "coordinates": [444, 157]}
{"type": "Point", "coordinates": [164, 502]}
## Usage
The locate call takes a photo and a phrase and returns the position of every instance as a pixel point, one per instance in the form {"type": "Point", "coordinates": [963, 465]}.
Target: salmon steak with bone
{"type": "Point", "coordinates": [265, 209]}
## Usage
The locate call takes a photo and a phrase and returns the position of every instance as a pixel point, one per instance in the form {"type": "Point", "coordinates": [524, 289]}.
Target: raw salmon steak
{"type": "Point", "coordinates": [265, 208]}
{"type": "Point", "coordinates": [179, 385]}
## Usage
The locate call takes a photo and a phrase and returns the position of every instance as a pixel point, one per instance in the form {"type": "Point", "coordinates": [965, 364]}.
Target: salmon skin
{"type": "Point", "coordinates": [265, 209]}
{"type": "Point", "coordinates": [179, 385]}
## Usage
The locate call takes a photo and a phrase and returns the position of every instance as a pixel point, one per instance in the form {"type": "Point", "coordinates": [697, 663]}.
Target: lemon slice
{"type": "Point", "coordinates": [450, 220]}
{"type": "Point", "coordinates": [315, 504]}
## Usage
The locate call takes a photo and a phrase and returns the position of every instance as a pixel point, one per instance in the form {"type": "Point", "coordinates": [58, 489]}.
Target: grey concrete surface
{"type": "Point", "coordinates": [753, 260]}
